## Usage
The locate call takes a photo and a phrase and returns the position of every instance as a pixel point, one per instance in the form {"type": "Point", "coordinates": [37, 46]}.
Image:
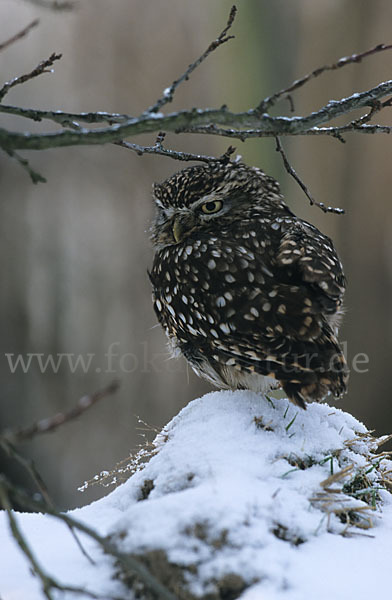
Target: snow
{"type": "Point", "coordinates": [234, 486]}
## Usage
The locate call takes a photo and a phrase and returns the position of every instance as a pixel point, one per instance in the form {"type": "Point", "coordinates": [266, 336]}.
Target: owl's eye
{"type": "Point", "coordinates": [212, 207]}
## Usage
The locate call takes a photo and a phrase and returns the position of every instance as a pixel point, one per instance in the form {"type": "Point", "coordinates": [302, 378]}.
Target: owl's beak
{"type": "Point", "coordinates": [182, 227]}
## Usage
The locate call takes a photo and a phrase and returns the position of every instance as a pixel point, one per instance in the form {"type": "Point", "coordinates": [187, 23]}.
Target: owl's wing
{"type": "Point", "coordinates": [282, 331]}
{"type": "Point", "coordinates": [308, 257]}
{"type": "Point", "coordinates": [301, 291]}
{"type": "Point", "coordinates": [285, 327]}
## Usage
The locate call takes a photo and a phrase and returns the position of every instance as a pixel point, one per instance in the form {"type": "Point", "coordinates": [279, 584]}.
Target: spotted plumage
{"type": "Point", "coordinates": [249, 293]}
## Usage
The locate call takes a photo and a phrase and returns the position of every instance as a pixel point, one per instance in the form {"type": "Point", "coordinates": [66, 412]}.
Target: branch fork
{"type": "Point", "coordinates": [255, 122]}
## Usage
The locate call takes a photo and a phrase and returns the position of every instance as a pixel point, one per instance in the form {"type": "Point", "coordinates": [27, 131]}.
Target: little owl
{"type": "Point", "coordinates": [247, 292]}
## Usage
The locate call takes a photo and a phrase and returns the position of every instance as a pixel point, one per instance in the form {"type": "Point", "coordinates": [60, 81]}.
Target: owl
{"type": "Point", "coordinates": [250, 294]}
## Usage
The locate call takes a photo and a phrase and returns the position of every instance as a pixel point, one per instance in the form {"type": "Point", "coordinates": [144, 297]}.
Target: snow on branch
{"type": "Point", "coordinates": [254, 122]}
{"type": "Point", "coordinates": [43, 67]}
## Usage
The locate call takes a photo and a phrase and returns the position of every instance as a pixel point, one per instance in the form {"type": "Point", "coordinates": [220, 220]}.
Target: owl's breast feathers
{"type": "Point", "coordinates": [261, 298]}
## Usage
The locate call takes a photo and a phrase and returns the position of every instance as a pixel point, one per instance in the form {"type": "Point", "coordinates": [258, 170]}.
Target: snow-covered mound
{"type": "Point", "coordinates": [243, 497]}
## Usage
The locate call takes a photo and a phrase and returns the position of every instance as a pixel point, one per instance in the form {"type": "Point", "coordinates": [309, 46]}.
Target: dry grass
{"type": "Point", "coordinates": [353, 492]}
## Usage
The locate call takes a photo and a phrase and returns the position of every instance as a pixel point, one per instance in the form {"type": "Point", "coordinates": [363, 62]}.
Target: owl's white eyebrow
{"type": "Point", "coordinates": [220, 193]}
{"type": "Point", "coordinates": [203, 200]}
{"type": "Point", "coordinates": [169, 211]}
{"type": "Point", "coordinates": [158, 202]}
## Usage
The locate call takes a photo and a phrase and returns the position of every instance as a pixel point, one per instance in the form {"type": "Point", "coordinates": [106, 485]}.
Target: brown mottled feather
{"type": "Point", "coordinates": [253, 291]}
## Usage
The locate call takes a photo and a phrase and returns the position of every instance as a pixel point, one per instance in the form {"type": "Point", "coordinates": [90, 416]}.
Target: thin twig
{"type": "Point", "coordinates": [231, 132]}
{"type": "Point", "coordinates": [160, 150]}
{"type": "Point", "coordinates": [34, 175]}
{"type": "Point", "coordinates": [183, 156]}
{"type": "Point", "coordinates": [9, 438]}
{"type": "Point", "coordinates": [290, 170]}
{"type": "Point", "coordinates": [342, 62]}
{"type": "Point", "coordinates": [47, 581]}
{"type": "Point", "coordinates": [29, 465]}
{"type": "Point", "coordinates": [65, 118]}
{"type": "Point", "coordinates": [52, 423]}
{"type": "Point", "coordinates": [130, 565]}
{"type": "Point", "coordinates": [350, 128]}
{"type": "Point", "coordinates": [21, 34]}
{"type": "Point", "coordinates": [221, 39]}
{"type": "Point", "coordinates": [59, 5]}
{"type": "Point", "coordinates": [43, 67]}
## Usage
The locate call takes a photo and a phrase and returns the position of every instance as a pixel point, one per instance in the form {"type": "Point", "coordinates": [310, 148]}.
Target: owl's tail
{"type": "Point", "coordinates": [318, 368]}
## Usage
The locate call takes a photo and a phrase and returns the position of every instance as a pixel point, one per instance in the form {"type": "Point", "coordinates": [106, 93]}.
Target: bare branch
{"type": "Point", "coordinates": [350, 128]}
{"type": "Point", "coordinates": [27, 464]}
{"type": "Point", "coordinates": [291, 171]}
{"type": "Point", "coordinates": [43, 67]}
{"type": "Point", "coordinates": [342, 62]}
{"type": "Point", "coordinates": [221, 122]}
{"type": "Point", "coordinates": [65, 118]}
{"type": "Point", "coordinates": [21, 34]}
{"type": "Point", "coordinates": [52, 423]}
{"type": "Point", "coordinates": [196, 120]}
{"type": "Point", "coordinates": [130, 565]}
{"type": "Point", "coordinates": [47, 581]}
{"type": "Point", "coordinates": [34, 175]}
{"type": "Point", "coordinates": [8, 439]}
{"type": "Point", "coordinates": [221, 39]}
{"type": "Point", "coordinates": [160, 150]}
{"type": "Point", "coordinates": [59, 5]}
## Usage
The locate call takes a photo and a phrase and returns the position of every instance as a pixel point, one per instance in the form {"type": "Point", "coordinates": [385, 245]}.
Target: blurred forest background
{"type": "Point", "coordinates": [74, 251]}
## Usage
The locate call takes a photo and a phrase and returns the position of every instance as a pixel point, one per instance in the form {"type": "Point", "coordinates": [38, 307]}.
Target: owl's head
{"type": "Point", "coordinates": [211, 197]}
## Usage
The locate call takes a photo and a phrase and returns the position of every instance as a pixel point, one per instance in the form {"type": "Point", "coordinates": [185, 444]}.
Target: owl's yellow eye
{"type": "Point", "coordinates": [212, 207]}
